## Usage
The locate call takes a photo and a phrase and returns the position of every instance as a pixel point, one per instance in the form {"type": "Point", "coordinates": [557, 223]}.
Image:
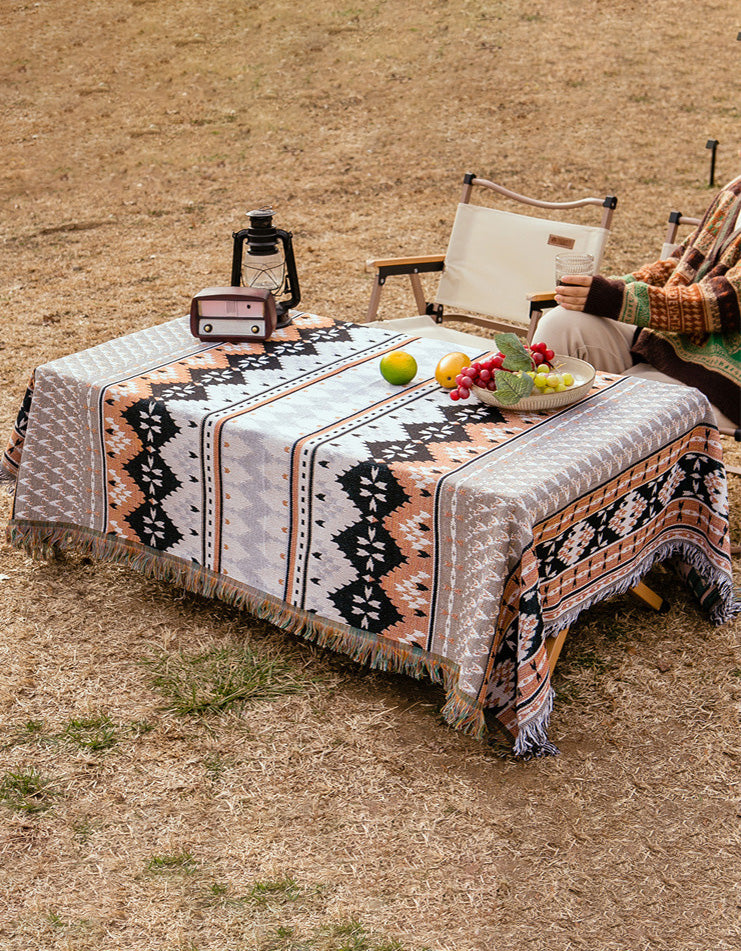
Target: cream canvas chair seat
{"type": "Point", "coordinates": [425, 326]}
{"type": "Point", "coordinates": [498, 271]}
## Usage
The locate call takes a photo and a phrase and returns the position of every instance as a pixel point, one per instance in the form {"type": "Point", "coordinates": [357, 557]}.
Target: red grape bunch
{"type": "Point", "coordinates": [483, 374]}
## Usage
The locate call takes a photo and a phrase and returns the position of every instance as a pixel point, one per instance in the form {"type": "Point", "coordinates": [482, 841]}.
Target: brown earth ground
{"type": "Point", "coordinates": [135, 136]}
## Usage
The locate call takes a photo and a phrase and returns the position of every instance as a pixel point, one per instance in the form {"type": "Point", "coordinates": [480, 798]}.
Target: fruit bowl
{"type": "Point", "coordinates": [582, 372]}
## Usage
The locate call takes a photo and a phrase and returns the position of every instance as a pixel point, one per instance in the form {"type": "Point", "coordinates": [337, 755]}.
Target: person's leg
{"type": "Point", "coordinates": [603, 343]}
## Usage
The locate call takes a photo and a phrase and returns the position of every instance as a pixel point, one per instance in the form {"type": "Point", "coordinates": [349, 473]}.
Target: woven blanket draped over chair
{"type": "Point", "coordinates": [390, 523]}
{"type": "Point", "coordinates": [676, 221]}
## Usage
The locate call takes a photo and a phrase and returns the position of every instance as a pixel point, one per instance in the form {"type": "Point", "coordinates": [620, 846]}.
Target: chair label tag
{"type": "Point", "coordinates": [559, 242]}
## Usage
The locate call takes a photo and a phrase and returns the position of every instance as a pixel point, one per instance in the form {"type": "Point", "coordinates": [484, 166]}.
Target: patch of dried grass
{"type": "Point", "coordinates": [218, 679]}
{"type": "Point", "coordinates": [388, 825]}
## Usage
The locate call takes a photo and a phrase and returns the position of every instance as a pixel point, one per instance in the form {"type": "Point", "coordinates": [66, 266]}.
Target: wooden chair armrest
{"type": "Point", "coordinates": [408, 262]}
{"type": "Point", "coordinates": [539, 297]}
{"type": "Point", "coordinates": [412, 267]}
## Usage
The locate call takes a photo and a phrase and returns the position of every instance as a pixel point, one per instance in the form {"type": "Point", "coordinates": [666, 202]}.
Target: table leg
{"type": "Point", "coordinates": [553, 647]}
{"type": "Point", "coordinates": [650, 597]}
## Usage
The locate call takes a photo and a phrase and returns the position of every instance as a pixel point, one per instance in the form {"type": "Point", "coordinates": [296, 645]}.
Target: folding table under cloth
{"type": "Point", "coordinates": [390, 523]}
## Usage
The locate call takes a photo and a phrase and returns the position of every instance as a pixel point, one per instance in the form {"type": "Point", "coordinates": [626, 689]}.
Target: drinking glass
{"type": "Point", "coordinates": [573, 262]}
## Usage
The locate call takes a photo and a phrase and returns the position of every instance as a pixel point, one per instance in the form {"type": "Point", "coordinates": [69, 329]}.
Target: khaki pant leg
{"type": "Point", "coordinates": [604, 343]}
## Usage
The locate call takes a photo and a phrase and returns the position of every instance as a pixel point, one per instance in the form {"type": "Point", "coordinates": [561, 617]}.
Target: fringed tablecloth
{"type": "Point", "coordinates": [411, 532]}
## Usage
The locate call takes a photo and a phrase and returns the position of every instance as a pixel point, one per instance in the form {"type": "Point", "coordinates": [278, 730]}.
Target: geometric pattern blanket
{"type": "Point", "coordinates": [411, 532]}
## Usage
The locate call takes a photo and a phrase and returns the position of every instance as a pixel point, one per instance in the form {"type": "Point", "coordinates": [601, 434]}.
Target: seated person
{"type": "Point", "coordinates": [677, 320]}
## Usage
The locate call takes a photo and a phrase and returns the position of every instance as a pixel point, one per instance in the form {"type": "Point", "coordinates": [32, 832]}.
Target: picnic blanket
{"type": "Point", "coordinates": [411, 532]}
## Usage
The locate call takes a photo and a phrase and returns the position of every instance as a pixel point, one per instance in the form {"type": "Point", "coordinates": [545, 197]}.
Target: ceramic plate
{"type": "Point", "coordinates": [582, 372]}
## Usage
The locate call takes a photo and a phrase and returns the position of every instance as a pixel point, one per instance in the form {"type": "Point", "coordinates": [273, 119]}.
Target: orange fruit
{"type": "Point", "coordinates": [398, 367]}
{"type": "Point", "coordinates": [449, 367]}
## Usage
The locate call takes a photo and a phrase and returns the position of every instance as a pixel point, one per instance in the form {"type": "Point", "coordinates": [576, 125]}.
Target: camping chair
{"type": "Point", "coordinates": [676, 221]}
{"type": "Point", "coordinates": [497, 261]}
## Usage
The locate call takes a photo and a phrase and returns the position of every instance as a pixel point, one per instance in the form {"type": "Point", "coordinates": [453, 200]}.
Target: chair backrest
{"type": "Point", "coordinates": [676, 221]}
{"type": "Point", "coordinates": [496, 259]}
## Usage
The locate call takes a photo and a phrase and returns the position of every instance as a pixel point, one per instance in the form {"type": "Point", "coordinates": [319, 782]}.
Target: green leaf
{"type": "Point", "coordinates": [511, 388]}
{"type": "Point", "coordinates": [516, 356]}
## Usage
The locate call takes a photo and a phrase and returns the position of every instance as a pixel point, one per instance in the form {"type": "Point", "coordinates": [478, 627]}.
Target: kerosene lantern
{"type": "Point", "coordinates": [264, 265]}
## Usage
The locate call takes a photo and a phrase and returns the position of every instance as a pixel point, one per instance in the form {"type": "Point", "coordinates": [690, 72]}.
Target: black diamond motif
{"type": "Point", "coordinates": [151, 419]}
{"type": "Point", "coordinates": [369, 547]}
{"type": "Point", "coordinates": [153, 527]}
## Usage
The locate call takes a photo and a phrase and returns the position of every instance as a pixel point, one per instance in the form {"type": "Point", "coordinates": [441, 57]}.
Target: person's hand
{"type": "Point", "coordinates": [573, 294]}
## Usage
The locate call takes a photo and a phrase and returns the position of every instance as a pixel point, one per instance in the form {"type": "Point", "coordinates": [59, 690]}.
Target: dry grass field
{"type": "Point", "coordinates": [139, 808]}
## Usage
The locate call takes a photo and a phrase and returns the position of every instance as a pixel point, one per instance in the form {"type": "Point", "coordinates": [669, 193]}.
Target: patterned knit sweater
{"type": "Point", "coordinates": [689, 306]}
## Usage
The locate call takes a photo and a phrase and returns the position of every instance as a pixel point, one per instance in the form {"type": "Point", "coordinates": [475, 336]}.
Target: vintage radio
{"type": "Point", "coordinates": [233, 314]}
